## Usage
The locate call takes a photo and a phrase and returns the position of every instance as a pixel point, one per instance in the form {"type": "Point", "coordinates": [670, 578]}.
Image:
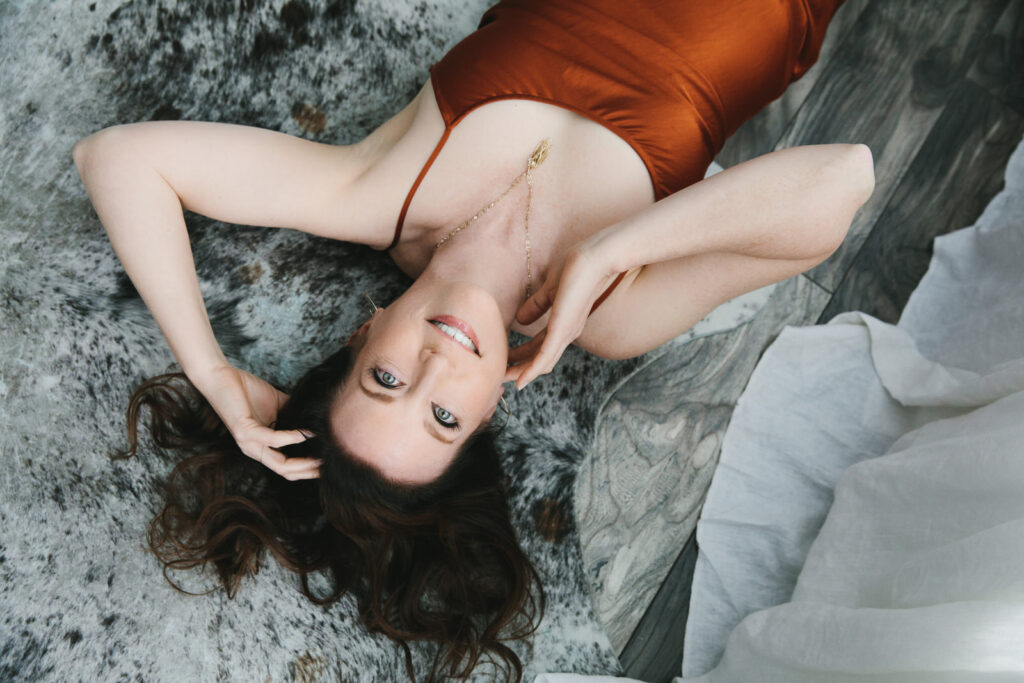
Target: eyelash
{"type": "Point", "coordinates": [373, 373]}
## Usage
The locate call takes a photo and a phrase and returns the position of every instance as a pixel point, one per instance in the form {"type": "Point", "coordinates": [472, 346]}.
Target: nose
{"type": "Point", "coordinates": [434, 365]}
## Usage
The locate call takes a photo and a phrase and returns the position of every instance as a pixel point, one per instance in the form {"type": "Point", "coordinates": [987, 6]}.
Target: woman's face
{"type": "Point", "coordinates": [416, 392]}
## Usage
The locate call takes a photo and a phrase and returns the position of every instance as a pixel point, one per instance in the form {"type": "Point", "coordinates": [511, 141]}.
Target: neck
{"type": "Point", "coordinates": [490, 253]}
{"type": "Point", "coordinates": [493, 255]}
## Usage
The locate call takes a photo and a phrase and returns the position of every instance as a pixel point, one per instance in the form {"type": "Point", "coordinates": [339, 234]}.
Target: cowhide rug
{"type": "Point", "coordinates": [80, 598]}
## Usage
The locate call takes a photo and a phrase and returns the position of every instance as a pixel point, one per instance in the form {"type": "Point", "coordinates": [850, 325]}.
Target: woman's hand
{"type": "Point", "coordinates": [570, 291]}
{"type": "Point", "coordinates": [248, 405]}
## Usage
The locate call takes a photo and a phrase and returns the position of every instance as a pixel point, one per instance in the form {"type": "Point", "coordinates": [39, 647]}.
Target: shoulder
{"type": "Point", "coordinates": [392, 156]}
{"type": "Point", "coordinates": [378, 145]}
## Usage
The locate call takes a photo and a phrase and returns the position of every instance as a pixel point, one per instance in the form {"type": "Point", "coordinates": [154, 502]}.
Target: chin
{"type": "Point", "coordinates": [477, 307]}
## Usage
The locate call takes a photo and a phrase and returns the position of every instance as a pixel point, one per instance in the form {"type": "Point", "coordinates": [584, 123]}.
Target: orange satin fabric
{"type": "Point", "coordinates": [673, 78]}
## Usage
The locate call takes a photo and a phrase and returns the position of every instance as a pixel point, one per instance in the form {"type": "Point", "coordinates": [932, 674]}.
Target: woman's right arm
{"type": "Point", "coordinates": [140, 177]}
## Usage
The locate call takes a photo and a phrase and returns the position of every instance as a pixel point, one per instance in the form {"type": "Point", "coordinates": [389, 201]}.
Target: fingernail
{"type": "Point", "coordinates": [306, 433]}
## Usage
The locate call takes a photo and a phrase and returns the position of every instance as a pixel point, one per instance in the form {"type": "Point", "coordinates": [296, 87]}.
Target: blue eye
{"type": "Point", "coordinates": [389, 381]}
{"type": "Point", "coordinates": [445, 418]}
{"type": "Point", "coordinates": [384, 378]}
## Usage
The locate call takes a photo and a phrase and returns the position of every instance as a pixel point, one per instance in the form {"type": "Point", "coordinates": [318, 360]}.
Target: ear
{"type": "Point", "coordinates": [497, 399]}
{"type": "Point", "coordinates": [361, 332]}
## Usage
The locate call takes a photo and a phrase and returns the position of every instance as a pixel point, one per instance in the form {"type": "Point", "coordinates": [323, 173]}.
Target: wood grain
{"type": "Point", "coordinates": [886, 88]}
{"type": "Point", "coordinates": [655, 650]}
{"type": "Point", "coordinates": [999, 67]}
{"type": "Point", "coordinates": [957, 171]}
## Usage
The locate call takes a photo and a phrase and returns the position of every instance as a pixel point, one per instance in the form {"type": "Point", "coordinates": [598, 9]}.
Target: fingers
{"type": "Point", "coordinates": [569, 295]}
{"type": "Point", "coordinates": [527, 349]}
{"type": "Point", "coordinates": [535, 358]}
{"type": "Point", "coordinates": [519, 357]}
{"type": "Point", "coordinates": [535, 306]}
{"type": "Point", "coordinates": [541, 365]}
{"type": "Point", "coordinates": [284, 437]}
{"type": "Point", "coordinates": [512, 373]}
{"type": "Point", "coordinates": [289, 468]}
{"type": "Point", "coordinates": [551, 349]}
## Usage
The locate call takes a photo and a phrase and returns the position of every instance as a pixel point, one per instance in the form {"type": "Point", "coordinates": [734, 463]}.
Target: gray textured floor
{"type": "Point", "coordinates": [936, 90]}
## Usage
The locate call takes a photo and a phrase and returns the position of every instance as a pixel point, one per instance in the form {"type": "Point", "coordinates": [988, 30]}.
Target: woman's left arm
{"type": "Point", "coordinates": [792, 204]}
{"type": "Point", "coordinates": [753, 224]}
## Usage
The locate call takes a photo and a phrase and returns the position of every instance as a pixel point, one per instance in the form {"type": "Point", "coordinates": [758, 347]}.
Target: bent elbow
{"type": "Point", "coordinates": [851, 182]}
{"type": "Point", "coordinates": [78, 153]}
{"type": "Point", "coordinates": [83, 151]}
{"type": "Point", "coordinates": [86, 149]}
{"type": "Point", "coordinates": [862, 171]}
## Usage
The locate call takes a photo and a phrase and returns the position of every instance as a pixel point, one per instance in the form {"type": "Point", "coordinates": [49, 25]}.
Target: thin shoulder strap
{"type": "Point", "coordinates": [415, 185]}
{"type": "Point", "coordinates": [605, 293]}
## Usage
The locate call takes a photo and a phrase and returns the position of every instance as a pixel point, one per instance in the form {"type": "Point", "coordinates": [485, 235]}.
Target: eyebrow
{"type": "Point", "coordinates": [384, 398]}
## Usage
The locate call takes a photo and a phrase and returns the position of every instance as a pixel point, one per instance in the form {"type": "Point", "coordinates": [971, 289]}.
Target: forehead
{"type": "Point", "coordinates": [393, 437]}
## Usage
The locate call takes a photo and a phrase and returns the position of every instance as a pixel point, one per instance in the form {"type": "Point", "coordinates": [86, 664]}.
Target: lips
{"type": "Point", "coordinates": [460, 325]}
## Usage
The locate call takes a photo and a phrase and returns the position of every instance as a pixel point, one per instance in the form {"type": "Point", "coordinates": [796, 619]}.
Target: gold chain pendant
{"type": "Point", "coordinates": [540, 153]}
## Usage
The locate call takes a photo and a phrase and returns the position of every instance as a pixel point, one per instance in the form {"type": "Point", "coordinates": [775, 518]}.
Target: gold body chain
{"type": "Point", "coordinates": [536, 159]}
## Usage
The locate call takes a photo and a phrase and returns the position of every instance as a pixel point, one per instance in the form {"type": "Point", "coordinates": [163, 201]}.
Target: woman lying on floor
{"type": "Point", "coordinates": [613, 243]}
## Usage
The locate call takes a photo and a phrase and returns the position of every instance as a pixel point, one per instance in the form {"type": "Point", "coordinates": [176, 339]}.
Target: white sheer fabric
{"type": "Point", "coordinates": [916, 574]}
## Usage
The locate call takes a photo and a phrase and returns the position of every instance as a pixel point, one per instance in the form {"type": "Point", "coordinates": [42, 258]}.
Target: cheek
{"type": "Point", "coordinates": [489, 390]}
{"type": "Point", "coordinates": [397, 341]}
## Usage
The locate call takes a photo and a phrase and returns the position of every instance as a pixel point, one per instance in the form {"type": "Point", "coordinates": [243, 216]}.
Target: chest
{"type": "Point", "coordinates": [591, 177]}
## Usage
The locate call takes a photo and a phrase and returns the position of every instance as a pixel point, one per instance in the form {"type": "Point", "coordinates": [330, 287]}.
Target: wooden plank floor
{"type": "Point", "coordinates": [936, 90]}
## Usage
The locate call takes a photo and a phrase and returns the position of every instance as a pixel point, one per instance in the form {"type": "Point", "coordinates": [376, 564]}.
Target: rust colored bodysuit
{"type": "Point", "coordinates": [673, 78]}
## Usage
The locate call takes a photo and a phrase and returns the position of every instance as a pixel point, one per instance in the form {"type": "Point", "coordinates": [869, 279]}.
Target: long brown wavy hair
{"type": "Point", "coordinates": [437, 562]}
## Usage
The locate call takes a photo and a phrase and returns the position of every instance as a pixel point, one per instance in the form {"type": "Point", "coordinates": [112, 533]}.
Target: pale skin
{"type": "Point", "coordinates": [593, 216]}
